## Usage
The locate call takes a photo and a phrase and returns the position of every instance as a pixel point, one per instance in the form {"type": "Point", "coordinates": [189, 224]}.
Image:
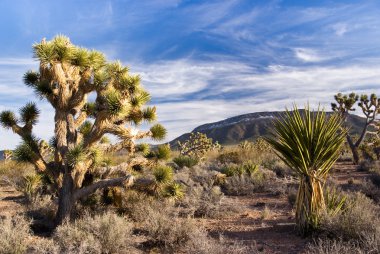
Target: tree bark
{"type": "Point", "coordinates": [66, 200]}
{"type": "Point", "coordinates": [354, 150]}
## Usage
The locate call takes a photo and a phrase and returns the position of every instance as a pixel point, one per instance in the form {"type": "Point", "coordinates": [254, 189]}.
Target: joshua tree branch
{"type": "Point", "coordinates": [121, 181]}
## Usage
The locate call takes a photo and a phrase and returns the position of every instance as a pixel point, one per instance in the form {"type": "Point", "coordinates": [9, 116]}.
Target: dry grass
{"type": "Point", "coordinates": [357, 223]}
{"type": "Point", "coordinates": [106, 233]}
{"type": "Point", "coordinates": [14, 232]}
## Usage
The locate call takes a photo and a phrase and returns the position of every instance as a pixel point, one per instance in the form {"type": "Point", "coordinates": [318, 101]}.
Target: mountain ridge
{"type": "Point", "coordinates": [249, 127]}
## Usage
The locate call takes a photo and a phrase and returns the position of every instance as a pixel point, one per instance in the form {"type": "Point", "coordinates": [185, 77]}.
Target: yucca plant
{"type": "Point", "coordinates": [309, 143]}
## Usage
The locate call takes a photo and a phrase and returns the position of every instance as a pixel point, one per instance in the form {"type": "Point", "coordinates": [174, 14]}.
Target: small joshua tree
{"type": "Point", "coordinates": [309, 143]}
{"type": "Point", "coordinates": [67, 75]}
{"type": "Point", "coordinates": [370, 107]}
{"type": "Point", "coordinates": [7, 154]}
{"type": "Point", "coordinates": [197, 145]}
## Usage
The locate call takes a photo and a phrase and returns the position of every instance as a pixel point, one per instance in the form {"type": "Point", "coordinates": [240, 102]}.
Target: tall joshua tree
{"type": "Point", "coordinates": [67, 75]}
{"type": "Point", "coordinates": [370, 107]}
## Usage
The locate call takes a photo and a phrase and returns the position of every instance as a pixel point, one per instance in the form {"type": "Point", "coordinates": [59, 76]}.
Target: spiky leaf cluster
{"type": "Point", "coordinates": [158, 132]}
{"type": "Point", "coordinates": [197, 145]}
{"type": "Point", "coordinates": [162, 152]}
{"type": "Point", "coordinates": [309, 143]}
{"type": "Point", "coordinates": [163, 174]}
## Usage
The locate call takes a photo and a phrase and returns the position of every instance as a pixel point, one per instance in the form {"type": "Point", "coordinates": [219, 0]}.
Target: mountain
{"type": "Point", "coordinates": [250, 126]}
{"type": "Point", "coordinates": [1, 155]}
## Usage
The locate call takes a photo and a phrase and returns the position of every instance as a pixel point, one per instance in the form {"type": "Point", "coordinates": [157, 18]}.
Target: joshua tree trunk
{"type": "Point", "coordinates": [354, 150]}
{"type": "Point", "coordinates": [66, 200]}
{"type": "Point", "coordinates": [310, 203]}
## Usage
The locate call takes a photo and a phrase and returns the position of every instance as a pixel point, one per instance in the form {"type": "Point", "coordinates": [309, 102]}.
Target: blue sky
{"type": "Point", "coordinates": [203, 61]}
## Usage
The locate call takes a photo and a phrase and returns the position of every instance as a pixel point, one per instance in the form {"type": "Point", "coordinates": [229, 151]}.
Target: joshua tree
{"type": "Point", "coordinates": [7, 154]}
{"type": "Point", "coordinates": [309, 143]}
{"type": "Point", "coordinates": [197, 145]}
{"type": "Point", "coordinates": [370, 107]}
{"type": "Point", "coordinates": [67, 75]}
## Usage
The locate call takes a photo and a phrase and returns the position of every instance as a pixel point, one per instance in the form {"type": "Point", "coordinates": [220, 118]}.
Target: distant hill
{"type": "Point", "coordinates": [249, 127]}
{"type": "Point", "coordinates": [1, 155]}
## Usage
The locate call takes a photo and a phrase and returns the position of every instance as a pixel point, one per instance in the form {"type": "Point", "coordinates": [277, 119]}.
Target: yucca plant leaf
{"type": "Point", "coordinates": [163, 174]}
{"type": "Point", "coordinates": [43, 89]}
{"type": "Point", "coordinates": [23, 153]}
{"type": "Point", "coordinates": [149, 114]}
{"type": "Point", "coordinates": [85, 128]}
{"type": "Point", "coordinates": [158, 132]}
{"type": "Point", "coordinates": [29, 113]}
{"type": "Point", "coordinates": [309, 143]}
{"type": "Point", "coordinates": [31, 78]}
{"type": "Point", "coordinates": [8, 119]}
{"type": "Point", "coordinates": [75, 155]}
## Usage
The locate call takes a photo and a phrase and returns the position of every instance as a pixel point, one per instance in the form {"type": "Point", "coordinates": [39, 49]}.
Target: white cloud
{"type": "Point", "coordinates": [231, 88]}
{"type": "Point", "coordinates": [308, 55]}
{"type": "Point", "coordinates": [340, 29]}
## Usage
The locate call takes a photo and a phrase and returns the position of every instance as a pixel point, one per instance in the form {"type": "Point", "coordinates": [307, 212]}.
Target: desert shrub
{"type": "Point", "coordinates": [203, 196]}
{"type": "Point", "coordinates": [14, 233]}
{"type": "Point", "coordinates": [230, 157]}
{"type": "Point", "coordinates": [161, 224]}
{"type": "Point", "coordinates": [245, 168]}
{"type": "Point", "coordinates": [200, 243]}
{"type": "Point", "coordinates": [185, 161]}
{"type": "Point", "coordinates": [43, 246]}
{"type": "Point", "coordinates": [202, 201]}
{"type": "Point", "coordinates": [197, 145]}
{"type": "Point", "coordinates": [328, 246]}
{"type": "Point", "coordinates": [359, 221]}
{"type": "Point", "coordinates": [370, 190]}
{"type": "Point", "coordinates": [106, 233]}
{"type": "Point", "coordinates": [280, 168]}
{"type": "Point", "coordinates": [245, 184]}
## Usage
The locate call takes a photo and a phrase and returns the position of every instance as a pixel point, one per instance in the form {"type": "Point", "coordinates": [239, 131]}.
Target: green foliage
{"type": "Point", "coordinates": [90, 109]}
{"type": "Point", "coordinates": [309, 143]}
{"type": "Point", "coordinates": [158, 132]}
{"type": "Point", "coordinates": [197, 145]}
{"type": "Point", "coordinates": [345, 103]}
{"type": "Point", "coordinates": [174, 190]}
{"type": "Point", "coordinates": [115, 105]}
{"type": "Point", "coordinates": [335, 201]}
{"type": "Point", "coordinates": [140, 99]}
{"type": "Point", "coordinates": [163, 174]}
{"type": "Point", "coordinates": [43, 89]}
{"type": "Point", "coordinates": [85, 128]}
{"type": "Point", "coordinates": [185, 161]}
{"type": "Point", "coordinates": [8, 119]}
{"type": "Point", "coordinates": [29, 185]}
{"type": "Point", "coordinates": [31, 78]}
{"type": "Point", "coordinates": [163, 152]}
{"type": "Point", "coordinates": [143, 148]}
{"type": "Point", "coordinates": [149, 114]}
{"type": "Point", "coordinates": [23, 153]}
{"type": "Point", "coordinates": [29, 113]}
{"type": "Point", "coordinates": [248, 168]}
{"type": "Point", "coordinates": [75, 155]}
